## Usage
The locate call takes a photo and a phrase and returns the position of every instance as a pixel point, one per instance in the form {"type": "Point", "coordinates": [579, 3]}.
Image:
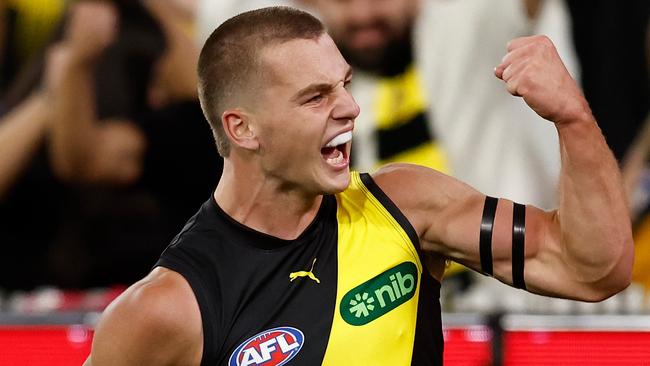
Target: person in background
{"type": "Point", "coordinates": [611, 41]}
{"type": "Point", "coordinates": [25, 27]}
{"type": "Point", "coordinates": [30, 194]}
{"type": "Point", "coordinates": [21, 134]}
{"type": "Point", "coordinates": [636, 176]}
{"type": "Point", "coordinates": [145, 147]}
{"type": "Point", "coordinates": [125, 135]}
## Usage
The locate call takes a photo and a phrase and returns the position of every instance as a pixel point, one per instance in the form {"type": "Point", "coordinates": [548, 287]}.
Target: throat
{"type": "Point", "coordinates": [284, 221]}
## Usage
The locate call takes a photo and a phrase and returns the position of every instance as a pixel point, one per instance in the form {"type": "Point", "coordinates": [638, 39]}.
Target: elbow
{"type": "Point", "coordinates": [617, 279]}
{"type": "Point", "coordinates": [63, 171]}
{"type": "Point", "coordinates": [602, 293]}
{"type": "Point", "coordinates": [66, 171]}
{"type": "Point", "coordinates": [65, 163]}
{"type": "Point", "coordinates": [122, 172]}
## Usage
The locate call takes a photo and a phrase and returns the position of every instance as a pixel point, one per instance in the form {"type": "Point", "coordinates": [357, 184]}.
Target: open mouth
{"type": "Point", "coordinates": [336, 152]}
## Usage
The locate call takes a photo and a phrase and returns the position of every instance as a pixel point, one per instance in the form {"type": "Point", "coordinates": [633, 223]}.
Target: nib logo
{"type": "Point", "coordinates": [380, 294]}
{"type": "Point", "coordinates": [362, 305]}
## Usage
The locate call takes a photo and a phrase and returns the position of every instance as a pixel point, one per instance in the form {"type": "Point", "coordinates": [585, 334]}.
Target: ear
{"type": "Point", "coordinates": [237, 125]}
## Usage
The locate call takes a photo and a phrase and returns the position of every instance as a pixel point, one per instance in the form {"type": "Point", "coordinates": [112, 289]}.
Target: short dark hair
{"type": "Point", "coordinates": [230, 57]}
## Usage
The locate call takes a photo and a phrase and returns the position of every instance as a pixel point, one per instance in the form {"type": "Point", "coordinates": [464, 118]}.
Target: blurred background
{"type": "Point", "coordinates": [105, 153]}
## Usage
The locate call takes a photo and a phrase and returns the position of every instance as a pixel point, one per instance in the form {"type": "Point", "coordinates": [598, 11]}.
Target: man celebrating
{"type": "Point", "coordinates": [297, 260]}
{"type": "Point", "coordinates": [422, 79]}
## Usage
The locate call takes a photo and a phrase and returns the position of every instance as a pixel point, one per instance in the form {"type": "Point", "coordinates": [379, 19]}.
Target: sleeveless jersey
{"type": "Point", "coordinates": [350, 290]}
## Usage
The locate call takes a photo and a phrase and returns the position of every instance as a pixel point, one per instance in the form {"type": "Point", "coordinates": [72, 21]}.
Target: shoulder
{"type": "Point", "coordinates": [422, 193]}
{"type": "Point", "coordinates": [401, 171]}
{"type": "Point", "coordinates": [155, 321]}
{"type": "Point", "coordinates": [408, 184]}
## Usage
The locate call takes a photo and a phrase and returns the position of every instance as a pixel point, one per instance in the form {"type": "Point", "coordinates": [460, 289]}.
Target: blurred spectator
{"type": "Point", "coordinates": [636, 175]}
{"type": "Point", "coordinates": [129, 142]}
{"type": "Point", "coordinates": [25, 26]}
{"type": "Point", "coordinates": [31, 199]}
{"type": "Point", "coordinates": [613, 43]}
{"type": "Point", "coordinates": [610, 38]}
{"type": "Point", "coordinates": [21, 133]}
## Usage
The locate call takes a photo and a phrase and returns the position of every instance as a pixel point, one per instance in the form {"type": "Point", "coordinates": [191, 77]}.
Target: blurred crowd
{"type": "Point", "coordinates": [105, 153]}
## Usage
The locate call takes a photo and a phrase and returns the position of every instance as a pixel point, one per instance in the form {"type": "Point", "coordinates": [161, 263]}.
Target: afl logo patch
{"type": "Point", "coordinates": [273, 347]}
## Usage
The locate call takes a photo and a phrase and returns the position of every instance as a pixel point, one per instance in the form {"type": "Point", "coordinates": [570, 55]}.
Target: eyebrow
{"type": "Point", "coordinates": [319, 87]}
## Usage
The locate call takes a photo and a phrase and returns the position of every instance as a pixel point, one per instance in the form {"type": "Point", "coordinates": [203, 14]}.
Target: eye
{"type": "Point", "coordinates": [315, 99]}
{"type": "Point", "coordinates": [346, 84]}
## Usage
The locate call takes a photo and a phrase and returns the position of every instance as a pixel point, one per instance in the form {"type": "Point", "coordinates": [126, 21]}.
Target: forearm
{"type": "Point", "coordinates": [74, 131]}
{"type": "Point", "coordinates": [593, 216]}
{"type": "Point", "coordinates": [21, 133]}
{"type": "Point", "coordinates": [583, 250]}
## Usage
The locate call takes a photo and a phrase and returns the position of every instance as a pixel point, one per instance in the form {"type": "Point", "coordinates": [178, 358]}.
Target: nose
{"type": "Point", "coordinates": [346, 108]}
{"type": "Point", "coordinates": [361, 12]}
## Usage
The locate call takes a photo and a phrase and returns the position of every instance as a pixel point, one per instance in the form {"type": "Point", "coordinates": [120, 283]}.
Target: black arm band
{"type": "Point", "coordinates": [518, 245]}
{"type": "Point", "coordinates": [485, 238]}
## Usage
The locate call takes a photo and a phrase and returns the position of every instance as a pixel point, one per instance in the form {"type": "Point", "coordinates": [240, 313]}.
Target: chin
{"type": "Point", "coordinates": [337, 183]}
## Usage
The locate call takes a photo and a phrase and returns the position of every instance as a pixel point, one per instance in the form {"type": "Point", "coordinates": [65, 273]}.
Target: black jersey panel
{"type": "Point", "coordinates": [247, 282]}
{"type": "Point", "coordinates": [429, 343]}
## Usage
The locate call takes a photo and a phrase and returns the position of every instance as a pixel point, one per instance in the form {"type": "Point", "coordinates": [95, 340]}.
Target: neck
{"type": "Point", "coordinates": [260, 203]}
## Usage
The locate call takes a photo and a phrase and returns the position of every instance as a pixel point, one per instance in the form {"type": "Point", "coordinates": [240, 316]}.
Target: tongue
{"type": "Point", "coordinates": [329, 152]}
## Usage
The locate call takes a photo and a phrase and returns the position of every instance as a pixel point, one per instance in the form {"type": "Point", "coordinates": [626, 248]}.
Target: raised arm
{"type": "Point", "coordinates": [154, 322]}
{"type": "Point", "coordinates": [21, 133]}
{"type": "Point", "coordinates": [82, 148]}
{"type": "Point", "coordinates": [583, 250]}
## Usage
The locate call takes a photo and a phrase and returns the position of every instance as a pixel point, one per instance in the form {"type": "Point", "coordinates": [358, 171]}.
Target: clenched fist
{"type": "Point", "coordinates": [91, 27]}
{"type": "Point", "coordinates": [533, 70]}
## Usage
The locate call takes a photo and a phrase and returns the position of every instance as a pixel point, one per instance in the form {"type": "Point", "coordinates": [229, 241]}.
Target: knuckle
{"type": "Point", "coordinates": [524, 88]}
{"type": "Point", "coordinates": [512, 84]}
{"type": "Point", "coordinates": [546, 43]}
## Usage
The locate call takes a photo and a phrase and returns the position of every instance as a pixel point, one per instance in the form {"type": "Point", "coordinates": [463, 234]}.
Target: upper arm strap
{"type": "Point", "coordinates": [518, 245]}
{"type": "Point", "coordinates": [485, 238]}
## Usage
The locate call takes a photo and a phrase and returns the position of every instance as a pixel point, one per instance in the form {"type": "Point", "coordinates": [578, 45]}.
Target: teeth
{"type": "Point", "coordinates": [340, 139]}
{"type": "Point", "coordinates": [337, 159]}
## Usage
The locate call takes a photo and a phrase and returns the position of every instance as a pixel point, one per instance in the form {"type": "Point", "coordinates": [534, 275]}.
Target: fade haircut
{"type": "Point", "coordinates": [229, 60]}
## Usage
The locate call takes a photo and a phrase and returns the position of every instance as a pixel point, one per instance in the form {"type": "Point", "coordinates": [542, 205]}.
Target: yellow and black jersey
{"type": "Point", "coordinates": [350, 290]}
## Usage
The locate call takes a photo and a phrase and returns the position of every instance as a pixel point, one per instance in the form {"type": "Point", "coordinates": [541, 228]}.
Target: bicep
{"type": "Point", "coordinates": [521, 246]}
{"type": "Point", "coordinates": [448, 216]}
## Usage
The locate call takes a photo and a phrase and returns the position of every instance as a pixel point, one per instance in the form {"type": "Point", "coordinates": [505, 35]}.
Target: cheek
{"type": "Point", "coordinates": [398, 14]}
{"type": "Point", "coordinates": [287, 140]}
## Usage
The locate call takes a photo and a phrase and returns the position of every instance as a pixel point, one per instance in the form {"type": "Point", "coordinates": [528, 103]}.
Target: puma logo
{"type": "Point", "coordinates": [309, 274]}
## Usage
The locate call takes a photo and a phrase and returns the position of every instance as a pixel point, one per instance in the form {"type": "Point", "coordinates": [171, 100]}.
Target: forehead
{"type": "Point", "coordinates": [345, 9]}
{"type": "Point", "coordinates": [299, 62]}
